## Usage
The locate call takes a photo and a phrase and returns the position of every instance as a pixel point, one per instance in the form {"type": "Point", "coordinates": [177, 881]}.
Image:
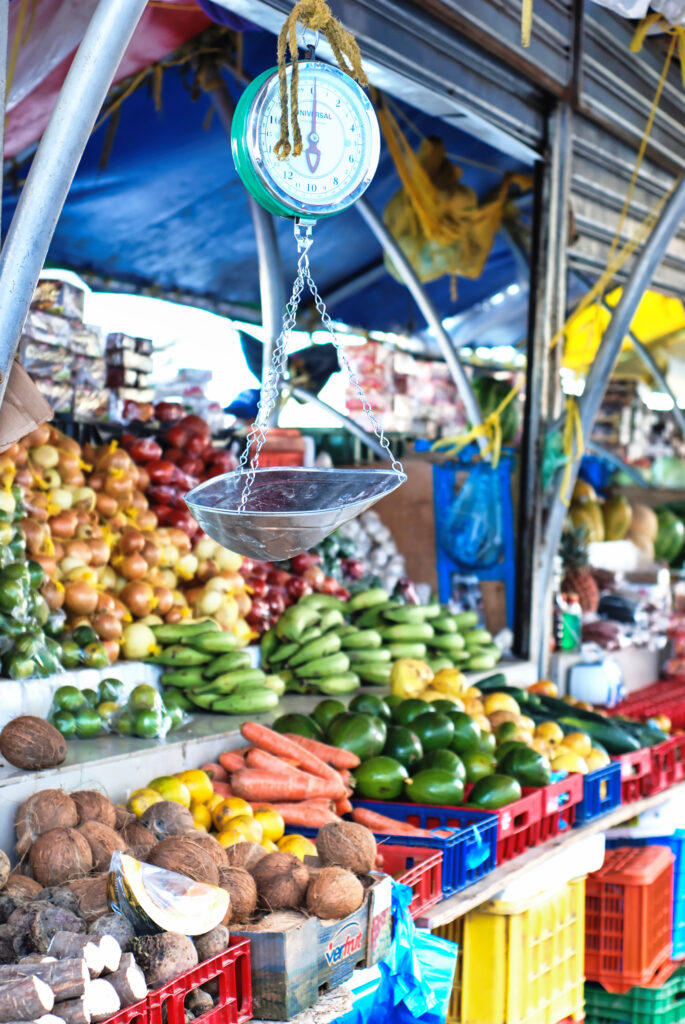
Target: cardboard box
{"type": "Point", "coordinates": [291, 968]}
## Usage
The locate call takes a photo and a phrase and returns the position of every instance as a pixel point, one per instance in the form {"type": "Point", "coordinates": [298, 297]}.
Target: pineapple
{"type": "Point", "coordinates": [578, 578]}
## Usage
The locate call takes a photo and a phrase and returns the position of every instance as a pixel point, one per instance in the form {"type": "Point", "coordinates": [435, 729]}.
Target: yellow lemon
{"type": "Point", "coordinates": [542, 747]}
{"type": "Point", "coordinates": [473, 706]}
{"type": "Point", "coordinates": [483, 722]}
{"type": "Point", "coordinates": [550, 732]}
{"type": "Point", "coordinates": [662, 722]}
{"type": "Point", "coordinates": [578, 741]}
{"type": "Point", "coordinates": [230, 837]}
{"type": "Point", "coordinates": [272, 823]}
{"type": "Point", "coordinates": [246, 824]}
{"type": "Point", "coordinates": [450, 681]}
{"type": "Point", "coordinates": [526, 723]}
{"type": "Point", "coordinates": [597, 759]}
{"type": "Point", "coordinates": [214, 802]}
{"type": "Point", "coordinates": [500, 702]}
{"type": "Point", "coordinates": [199, 784]}
{"type": "Point", "coordinates": [571, 762]}
{"type": "Point", "coordinates": [297, 845]}
{"type": "Point", "coordinates": [171, 789]}
{"type": "Point", "coordinates": [269, 846]}
{"type": "Point", "coordinates": [141, 799]}
{"type": "Point", "coordinates": [431, 694]}
{"type": "Point", "coordinates": [409, 676]}
{"type": "Point", "coordinates": [201, 817]}
{"type": "Point", "coordinates": [229, 808]}
{"type": "Point", "coordinates": [472, 691]}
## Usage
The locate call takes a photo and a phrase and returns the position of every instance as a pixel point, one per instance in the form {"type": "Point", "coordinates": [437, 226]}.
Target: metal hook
{"type": "Point", "coordinates": [303, 230]}
{"type": "Point", "coordinates": [310, 47]}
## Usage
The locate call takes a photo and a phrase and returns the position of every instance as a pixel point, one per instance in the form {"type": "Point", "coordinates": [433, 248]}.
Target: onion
{"type": "Point", "coordinates": [23, 477]}
{"type": "Point", "coordinates": [106, 577]}
{"type": "Point", "coordinates": [82, 572]}
{"type": "Point", "coordinates": [105, 602]}
{"type": "Point", "coordinates": [74, 479]}
{"type": "Point", "coordinates": [34, 532]}
{"type": "Point", "coordinates": [63, 525]}
{"type": "Point", "coordinates": [68, 444]}
{"type": "Point", "coordinates": [152, 620]}
{"type": "Point", "coordinates": [80, 597]}
{"type": "Point", "coordinates": [143, 481]}
{"type": "Point", "coordinates": [84, 497]}
{"type": "Point", "coordinates": [151, 553]}
{"type": "Point", "coordinates": [147, 520]}
{"type": "Point", "coordinates": [106, 505]}
{"type": "Point", "coordinates": [164, 599]}
{"type": "Point", "coordinates": [52, 479]}
{"type": "Point", "coordinates": [79, 549]}
{"type": "Point", "coordinates": [53, 594]}
{"type": "Point", "coordinates": [138, 641]}
{"type": "Point", "coordinates": [187, 567]}
{"type": "Point", "coordinates": [96, 481]}
{"type": "Point", "coordinates": [68, 463]}
{"type": "Point", "coordinates": [173, 616]}
{"type": "Point", "coordinates": [169, 578]}
{"type": "Point", "coordinates": [39, 436]}
{"type": "Point", "coordinates": [120, 487]}
{"type": "Point", "coordinates": [243, 603]}
{"type": "Point", "coordinates": [57, 550]}
{"type": "Point", "coordinates": [134, 567]}
{"type": "Point", "coordinates": [61, 496]}
{"type": "Point", "coordinates": [131, 540]}
{"type": "Point", "coordinates": [7, 502]}
{"type": "Point", "coordinates": [210, 602]}
{"type": "Point", "coordinates": [117, 459]}
{"type": "Point", "coordinates": [118, 520]}
{"type": "Point", "coordinates": [70, 562]}
{"type": "Point", "coordinates": [138, 597]}
{"type": "Point", "coordinates": [47, 564]}
{"type": "Point", "coordinates": [120, 610]}
{"type": "Point", "coordinates": [228, 561]}
{"type": "Point", "coordinates": [45, 455]}
{"type": "Point", "coordinates": [205, 548]}
{"type": "Point", "coordinates": [107, 626]}
{"type": "Point", "coordinates": [139, 502]}
{"type": "Point", "coordinates": [113, 650]}
{"type": "Point", "coordinates": [180, 539]}
{"type": "Point", "coordinates": [218, 583]}
{"type": "Point", "coordinates": [99, 551]}
{"type": "Point", "coordinates": [170, 556]}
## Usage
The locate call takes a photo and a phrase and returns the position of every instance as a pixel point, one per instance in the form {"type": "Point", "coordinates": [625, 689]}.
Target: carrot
{"type": "Point", "coordinates": [222, 788]}
{"type": "Point", "coordinates": [331, 755]}
{"type": "Point", "coordinates": [231, 761]}
{"type": "Point", "coordinates": [265, 738]}
{"type": "Point", "coordinates": [256, 784]}
{"type": "Point", "coordinates": [307, 813]}
{"type": "Point", "coordinates": [216, 772]}
{"type": "Point", "coordinates": [260, 759]}
{"type": "Point", "coordinates": [343, 806]}
{"type": "Point", "coordinates": [379, 823]}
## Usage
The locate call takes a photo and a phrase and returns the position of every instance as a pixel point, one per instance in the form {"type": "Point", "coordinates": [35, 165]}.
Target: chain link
{"type": "Point", "coordinates": [249, 460]}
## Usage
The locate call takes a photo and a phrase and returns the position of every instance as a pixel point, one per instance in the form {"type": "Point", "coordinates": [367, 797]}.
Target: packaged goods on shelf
{"type": "Point", "coordinates": [54, 296]}
{"type": "Point", "coordinates": [125, 343]}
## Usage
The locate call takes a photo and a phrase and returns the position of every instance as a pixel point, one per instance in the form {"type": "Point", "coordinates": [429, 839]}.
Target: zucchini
{"type": "Point", "coordinates": [647, 735]}
{"type": "Point", "coordinates": [613, 738]}
{"type": "Point", "coordinates": [495, 683]}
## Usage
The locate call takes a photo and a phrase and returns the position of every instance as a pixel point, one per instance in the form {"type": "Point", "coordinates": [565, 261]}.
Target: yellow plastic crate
{"type": "Point", "coordinates": [521, 963]}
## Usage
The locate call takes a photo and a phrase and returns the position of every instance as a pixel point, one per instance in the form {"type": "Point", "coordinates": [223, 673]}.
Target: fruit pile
{"type": "Point", "coordinates": [84, 714]}
{"type": "Point", "coordinates": [273, 588]}
{"type": "Point", "coordinates": [202, 668]}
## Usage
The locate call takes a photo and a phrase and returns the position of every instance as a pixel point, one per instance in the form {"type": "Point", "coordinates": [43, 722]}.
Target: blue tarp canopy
{"type": "Point", "coordinates": [167, 212]}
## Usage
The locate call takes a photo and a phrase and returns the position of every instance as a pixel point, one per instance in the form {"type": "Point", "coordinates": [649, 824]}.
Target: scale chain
{"type": "Point", "coordinates": [270, 390]}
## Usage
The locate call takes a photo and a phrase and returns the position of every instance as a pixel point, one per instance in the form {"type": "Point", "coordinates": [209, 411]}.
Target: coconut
{"type": "Point", "coordinates": [103, 841]}
{"type": "Point", "coordinates": [4, 868]}
{"type": "Point", "coordinates": [32, 743]}
{"type": "Point", "coordinates": [345, 844]}
{"type": "Point", "coordinates": [241, 887]}
{"type": "Point", "coordinates": [139, 840]}
{"type": "Point", "coordinates": [244, 855]}
{"type": "Point", "coordinates": [93, 806]}
{"type": "Point", "coordinates": [210, 845]}
{"type": "Point", "coordinates": [281, 880]}
{"type": "Point", "coordinates": [187, 858]}
{"type": "Point", "coordinates": [22, 886]}
{"type": "Point", "coordinates": [60, 855]}
{"type": "Point", "coordinates": [51, 808]}
{"type": "Point", "coordinates": [334, 893]}
{"type": "Point", "coordinates": [166, 819]}
{"type": "Point", "coordinates": [122, 817]}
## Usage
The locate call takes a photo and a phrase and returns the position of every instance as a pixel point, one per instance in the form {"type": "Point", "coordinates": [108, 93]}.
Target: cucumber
{"type": "Point", "coordinates": [613, 738]}
{"type": "Point", "coordinates": [493, 684]}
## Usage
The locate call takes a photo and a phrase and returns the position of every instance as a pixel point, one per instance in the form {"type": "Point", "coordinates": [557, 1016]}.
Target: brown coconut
{"type": "Point", "coordinates": [242, 888]}
{"type": "Point", "coordinates": [4, 868]}
{"type": "Point", "coordinates": [32, 743]}
{"type": "Point", "coordinates": [22, 886]}
{"type": "Point", "coordinates": [244, 855]}
{"type": "Point", "coordinates": [210, 845]}
{"type": "Point", "coordinates": [139, 840]}
{"type": "Point", "coordinates": [344, 844]}
{"type": "Point", "coordinates": [122, 817]}
{"type": "Point", "coordinates": [166, 819]}
{"type": "Point", "coordinates": [186, 857]}
{"type": "Point", "coordinates": [59, 855]}
{"type": "Point", "coordinates": [103, 842]}
{"type": "Point", "coordinates": [94, 806]}
{"type": "Point", "coordinates": [51, 808]}
{"type": "Point", "coordinates": [281, 880]}
{"type": "Point", "coordinates": [334, 893]}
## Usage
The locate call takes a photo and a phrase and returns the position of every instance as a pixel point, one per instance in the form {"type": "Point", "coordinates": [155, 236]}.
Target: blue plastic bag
{"type": "Point", "coordinates": [470, 529]}
{"type": "Point", "coordinates": [416, 977]}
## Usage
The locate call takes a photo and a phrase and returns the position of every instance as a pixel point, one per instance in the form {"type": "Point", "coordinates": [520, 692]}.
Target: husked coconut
{"type": "Point", "coordinates": [281, 880]}
{"type": "Point", "coordinates": [31, 743]}
{"type": "Point", "coordinates": [344, 844]}
{"type": "Point", "coordinates": [94, 806]}
{"type": "Point", "coordinates": [50, 808]}
{"type": "Point", "coordinates": [59, 855]}
{"type": "Point", "coordinates": [187, 858]}
{"type": "Point", "coordinates": [103, 842]}
{"type": "Point", "coordinates": [242, 888]}
{"type": "Point", "coordinates": [334, 893]}
{"type": "Point", "coordinates": [167, 819]}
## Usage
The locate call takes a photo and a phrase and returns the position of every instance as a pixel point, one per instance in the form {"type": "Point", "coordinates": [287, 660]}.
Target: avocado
{"type": "Point", "coordinates": [486, 744]}
{"type": "Point", "coordinates": [300, 725]}
{"type": "Point", "coordinates": [444, 759]}
{"type": "Point", "coordinates": [467, 733]}
{"type": "Point", "coordinates": [434, 729]}
{"type": "Point", "coordinates": [527, 766]}
{"type": "Point", "coordinates": [408, 710]}
{"type": "Point", "coordinates": [380, 778]}
{"type": "Point", "coordinates": [493, 792]}
{"type": "Point", "coordinates": [403, 745]}
{"type": "Point", "coordinates": [435, 786]}
{"type": "Point", "coordinates": [504, 748]}
{"type": "Point", "coordinates": [325, 711]}
{"type": "Point", "coordinates": [447, 707]}
{"type": "Point", "coordinates": [370, 704]}
{"type": "Point", "coordinates": [363, 735]}
{"type": "Point", "coordinates": [478, 764]}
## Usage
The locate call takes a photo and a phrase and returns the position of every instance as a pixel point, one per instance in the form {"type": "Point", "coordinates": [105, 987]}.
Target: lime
{"type": "Point", "coordinates": [91, 697]}
{"type": "Point", "coordinates": [71, 654]}
{"type": "Point", "coordinates": [28, 644]}
{"type": "Point", "coordinates": [176, 714]}
{"type": "Point", "coordinates": [88, 723]}
{"type": "Point", "coordinates": [84, 635]}
{"type": "Point", "coordinates": [12, 595]}
{"type": "Point", "coordinates": [16, 571]}
{"type": "Point", "coordinates": [147, 723]}
{"type": "Point", "coordinates": [65, 722]}
{"type": "Point", "coordinates": [36, 574]}
{"type": "Point", "coordinates": [38, 607]}
{"type": "Point", "coordinates": [68, 698]}
{"type": "Point", "coordinates": [107, 709]}
{"type": "Point", "coordinates": [145, 698]}
{"type": "Point", "coordinates": [110, 689]}
{"type": "Point", "coordinates": [95, 655]}
{"type": "Point", "coordinates": [124, 724]}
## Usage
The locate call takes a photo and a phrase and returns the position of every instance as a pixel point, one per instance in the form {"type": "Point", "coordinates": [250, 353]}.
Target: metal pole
{"type": "Point", "coordinates": [4, 42]}
{"type": "Point", "coordinates": [615, 460]}
{"type": "Point", "coordinates": [367, 439]}
{"type": "Point", "coordinates": [271, 288]}
{"type": "Point", "coordinates": [54, 165]}
{"type": "Point", "coordinates": [607, 353]}
{"type": "Point", "coordinates": [430, 313]}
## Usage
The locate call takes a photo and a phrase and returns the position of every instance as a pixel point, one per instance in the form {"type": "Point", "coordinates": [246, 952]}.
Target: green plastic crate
{"type": "Point", "coordinates": [664, 1004]}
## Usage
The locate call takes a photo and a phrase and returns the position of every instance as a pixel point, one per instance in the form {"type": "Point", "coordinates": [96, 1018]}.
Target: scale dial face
{"type": "Point", "coordinates": [340, 142]}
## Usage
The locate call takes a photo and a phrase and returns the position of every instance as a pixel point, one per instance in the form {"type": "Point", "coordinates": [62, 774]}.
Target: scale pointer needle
{"type": "Point", "coordinates": [312, 152]}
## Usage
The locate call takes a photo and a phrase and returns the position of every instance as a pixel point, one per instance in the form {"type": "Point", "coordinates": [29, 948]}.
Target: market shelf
{"type": "Point", "coordinates": [455, 906]}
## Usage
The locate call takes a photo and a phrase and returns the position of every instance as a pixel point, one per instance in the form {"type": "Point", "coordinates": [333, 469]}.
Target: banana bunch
{"type": "Point", "coordinates": [204, 664]}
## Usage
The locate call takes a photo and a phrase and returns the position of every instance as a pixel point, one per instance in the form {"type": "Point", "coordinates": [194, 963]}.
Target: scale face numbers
{"type": "Point", "coordinates": [340, 143]}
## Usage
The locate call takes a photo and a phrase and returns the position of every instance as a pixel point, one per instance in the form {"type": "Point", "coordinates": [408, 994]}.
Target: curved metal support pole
{"type": "Point", "coordinates": [4, 41]}
{"type": "Point", "coordinates": [54, 165]}
{"type": "Point", "coordinates": [605, 453]}
{"type": "Point", "coordinates": [607, 353]}
{"type": "Point", "coordinates": [349, 424]}
{"type": "Point", "coordinates": [432, 317]}
{"type": "Point", "coordinates": [271, 289]}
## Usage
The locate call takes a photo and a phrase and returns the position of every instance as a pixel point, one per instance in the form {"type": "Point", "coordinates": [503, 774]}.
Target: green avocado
{"type": "Point", "coordinates": [467, 733]}
{"type": "Point", "coordinates": [504, 748]}
{"type": "Point", "coordinates": [435, 786]}
{"type": "Point", "coordinates": [444, 759]}
{"type": "Point", "coordinates": [363, 735]}
{"type": "Point", "coordinates": [408, 710]}
{"type": "Point", "coordinates": [435, 730]}
{"type": "Point", "coordinates": [325, 711]}
{"type": "Point", "coordinates": [403, 745]}
{"type": "Point", "coordinates": [380, 778]}
{"type": "Point", "coordinates": [493, 792]}
{"type": "Point", "coordinates": [527, 766]}
{"type": "Point", "coordinates": [478, 765]}
{"type": "Point", "coordinates": [486, 744]}
{"type": "Point", "coordinates": [299, 725]}
{"type": "Point", "coordinates": [369, 704]}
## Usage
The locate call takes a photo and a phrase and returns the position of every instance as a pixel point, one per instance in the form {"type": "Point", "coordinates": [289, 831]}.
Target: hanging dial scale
{"type": "Point", "coordinates": [274, 513]}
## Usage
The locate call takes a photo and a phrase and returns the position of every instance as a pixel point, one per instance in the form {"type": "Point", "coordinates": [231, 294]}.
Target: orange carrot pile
{"type": "Point", "coordinates": [380, 823]}
{"type": "Point", "coordinates": [335, 756]}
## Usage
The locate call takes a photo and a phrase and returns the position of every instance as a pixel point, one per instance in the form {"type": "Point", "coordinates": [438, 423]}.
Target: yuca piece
{"type": "Point", "coordinates": [25, 999]}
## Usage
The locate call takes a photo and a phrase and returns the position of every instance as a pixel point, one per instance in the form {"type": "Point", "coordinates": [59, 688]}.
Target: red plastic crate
{"type": "Point", "coordinates": [559, 804]}
{"type": "Point", "coordinates": [231, 968]}
{"type": "Point", "coordinates": [628, 917]}
{"type": "Point", "coordinates": [636, 774]}
{"type": "Point", "coordinates": [420, 869]}
{"type": "Point", "coordinates": [518, 824]}
{"type": "Point", "coordinates": [665, 697]}
{"type": "Point", "coordinates": [668, 763]}
{"type": "Point", "coordinates": [137, 1013]}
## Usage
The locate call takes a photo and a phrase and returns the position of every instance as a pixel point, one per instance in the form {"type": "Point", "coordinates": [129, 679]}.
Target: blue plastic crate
{"type": "Point", "coordinates": [601, 793]}
{"type": "Point", "coordinates": [468, 855]}
{"type": "Point", "coordinates": [676, 843]}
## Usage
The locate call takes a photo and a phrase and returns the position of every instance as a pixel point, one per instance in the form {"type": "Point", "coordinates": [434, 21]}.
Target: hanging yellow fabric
{"type": "Point", "coordinates": [526, 21]}
{"type": "Point", "coordinates": [315, 15]}
{"type": "Point", "coordinates": [572, 446]}
{"type": "Point", "coordinates": [437, 221]}
{"type": "Point", "coordinates": [490, 428]}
